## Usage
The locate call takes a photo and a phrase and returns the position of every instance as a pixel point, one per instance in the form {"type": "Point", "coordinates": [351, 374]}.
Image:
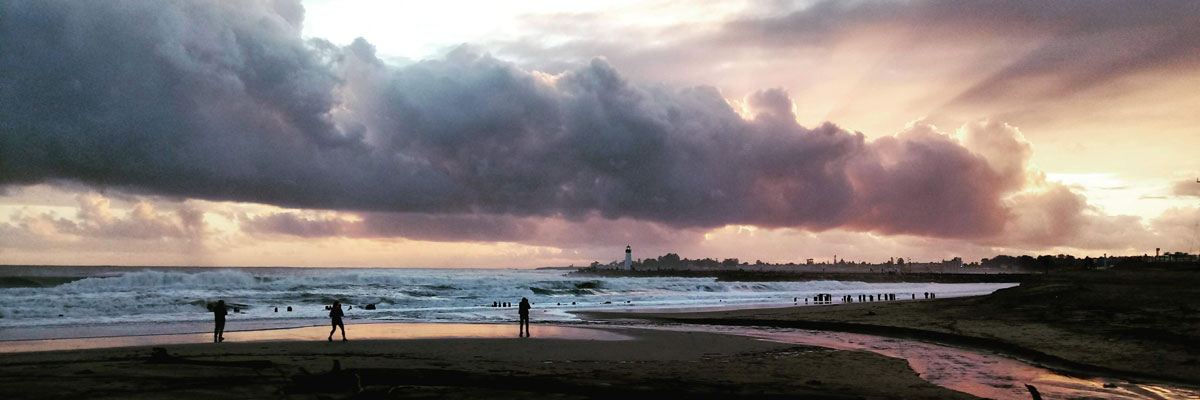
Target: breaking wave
{"type": "Point", "coordinates": [462, 295]}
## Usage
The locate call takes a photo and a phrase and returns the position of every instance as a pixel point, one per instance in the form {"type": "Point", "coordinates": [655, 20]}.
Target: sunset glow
{"type": "Point", "coordinates": [529, 134]}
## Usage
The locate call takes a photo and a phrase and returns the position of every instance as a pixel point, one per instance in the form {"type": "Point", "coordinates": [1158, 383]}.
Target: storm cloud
{"type": "Point", "coordinates": [1063, 46]}
{"type": "Point", "coordinates": [590, 233]}
{"type": "Point", "coordinates": [223, 101]}
{"type": "Point", "coordinates": [1187, 187]}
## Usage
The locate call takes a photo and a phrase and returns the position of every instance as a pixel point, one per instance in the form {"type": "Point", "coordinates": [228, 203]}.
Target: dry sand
{"type": "Point", "coordinates": [652, 363]}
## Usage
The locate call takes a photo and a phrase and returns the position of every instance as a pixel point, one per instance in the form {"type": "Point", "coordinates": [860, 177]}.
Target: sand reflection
{"type": "Point", "coordinates": [319, 333]}
{"type": "Point", "coordinates": [978, 373]}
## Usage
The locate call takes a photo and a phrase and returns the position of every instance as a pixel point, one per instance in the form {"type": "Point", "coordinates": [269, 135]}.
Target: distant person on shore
{"type": "Point", "coordinates": [335, 317]}
{"type": "Point", "coordinates": [523, 311]}
{"type": "Point", "coordinates": [219, 313]}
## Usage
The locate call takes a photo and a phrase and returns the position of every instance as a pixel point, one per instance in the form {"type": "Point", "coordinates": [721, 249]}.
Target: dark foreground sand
{"type": "Point", "coordinates": [653, 363]}
{"type": "Point", "coordinates": [1141, 325]}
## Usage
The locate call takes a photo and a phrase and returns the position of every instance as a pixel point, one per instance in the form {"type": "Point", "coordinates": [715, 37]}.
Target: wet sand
{"type": "Point", "coordinates": [1136, 325]}
{"type": "Point", "coordinates": [639, 363]}
{"type": "Point", "coordinates": [370, 331]}
{"type": "Point", "coordinates": [977, 372]}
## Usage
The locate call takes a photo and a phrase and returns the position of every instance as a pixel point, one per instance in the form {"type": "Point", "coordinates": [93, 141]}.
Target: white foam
{"type": "Point", "coordinates": [148, 296]}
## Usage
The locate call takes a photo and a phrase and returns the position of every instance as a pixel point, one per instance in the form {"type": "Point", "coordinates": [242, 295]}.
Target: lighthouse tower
{"type": "Point", "coordinates": [628, 258]}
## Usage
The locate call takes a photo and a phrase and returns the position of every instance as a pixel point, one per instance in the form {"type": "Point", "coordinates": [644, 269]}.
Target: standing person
{"type": "Point", "coordinates": [219, 312]}
{"type": "Point", "coordinates": [335, 317]}
{"type": "Point", "coordinates": [523, 310]}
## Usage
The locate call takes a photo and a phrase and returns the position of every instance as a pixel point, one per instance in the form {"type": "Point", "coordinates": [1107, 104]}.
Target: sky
{"type": "Point", "coordinates": [540, 133]}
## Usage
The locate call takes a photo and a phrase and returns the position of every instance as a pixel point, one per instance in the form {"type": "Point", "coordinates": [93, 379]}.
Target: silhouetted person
{"type": "Point", "coordinates": [335, 317]}
{"type": "Point", "coordinates": [219, 312]}
{"type": "Point", "coordinates": [523, 311]}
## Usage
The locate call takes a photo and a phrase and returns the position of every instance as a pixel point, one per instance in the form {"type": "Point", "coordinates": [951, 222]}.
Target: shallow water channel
{"type": "Point", "coordinates": [979, 373]}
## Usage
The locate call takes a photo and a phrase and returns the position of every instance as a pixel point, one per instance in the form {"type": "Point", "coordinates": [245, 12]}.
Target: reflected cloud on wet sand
{"type": "Point", "coordinates": [317, 333]}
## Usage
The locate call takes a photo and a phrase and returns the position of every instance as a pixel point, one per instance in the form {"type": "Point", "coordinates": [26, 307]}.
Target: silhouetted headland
{"type": "Point", "coordinates": [1001, 268]}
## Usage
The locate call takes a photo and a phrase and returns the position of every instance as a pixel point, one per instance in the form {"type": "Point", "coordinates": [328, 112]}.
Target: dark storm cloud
{"type": "Point", "coordinates": [590, 232]}
{"type": "Point", "coordinates": [225, 101]}
{"type": "Point", "coordinates": [483, 228]}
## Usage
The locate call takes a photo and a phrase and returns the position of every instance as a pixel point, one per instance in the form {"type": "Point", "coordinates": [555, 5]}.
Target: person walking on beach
{"type": "Point", "coordinates": [335, 317]}
{"type": "Point", "coordinates": [523, 310]}
{"type": "Point", "coordinates": [219, 312]}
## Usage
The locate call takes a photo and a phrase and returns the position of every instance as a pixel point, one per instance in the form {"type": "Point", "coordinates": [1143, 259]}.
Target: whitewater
{"type": "Point", "coordinates": [59, 302]}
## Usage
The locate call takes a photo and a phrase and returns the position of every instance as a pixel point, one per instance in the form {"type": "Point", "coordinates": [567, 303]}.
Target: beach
{"type": "Point", "coordinates": [1112, 334]}
{"type": "Point", "coordinates": [434, 333]}
{"type": "Point", "coordinates": [643, 363]}
{"type": "Point", "coordinates": [1141, 325]}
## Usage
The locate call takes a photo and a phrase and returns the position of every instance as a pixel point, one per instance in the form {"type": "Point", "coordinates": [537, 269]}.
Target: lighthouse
{"type": "Point", "coordinates": [628, 258]}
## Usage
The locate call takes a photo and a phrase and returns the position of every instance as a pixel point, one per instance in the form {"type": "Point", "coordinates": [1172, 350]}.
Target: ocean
{"type": "Point", "coordinates": [60, 302]}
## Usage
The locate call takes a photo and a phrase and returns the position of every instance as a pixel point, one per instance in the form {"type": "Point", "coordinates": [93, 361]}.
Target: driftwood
{"type": "Point", "coordinates": [334, 381]}
{"type": "Point", "coordinates": [159, 355]}
{"type": "Point", "coordinates": [1033, 392]}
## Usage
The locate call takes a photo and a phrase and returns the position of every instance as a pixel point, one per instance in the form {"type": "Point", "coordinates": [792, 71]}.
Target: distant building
{"type": "Point", "coordinates": [628, 258]}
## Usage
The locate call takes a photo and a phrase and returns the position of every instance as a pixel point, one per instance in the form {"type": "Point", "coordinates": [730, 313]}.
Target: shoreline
{"type": "Point", "coordinates": [1139, 325]}
{"type": "Point", "coordinates": [548, 308]}
{"type": "Point", "coordinates": [1135, 326]}
{"type": "Point", "coordinates": [1004, 349]}
{"type": "Point", "coordinates": [557, 330]}
{"type": "Point", "coordinates": [651, 363]}
{"type": "Point", "coordinates": [752, 275]}
{"type": "Point", "coordinates": [233, 353]}
{"type": "Point", "coordinates": [362, 331]}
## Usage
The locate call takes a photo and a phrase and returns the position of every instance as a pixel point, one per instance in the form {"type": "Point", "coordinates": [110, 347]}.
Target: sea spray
{"type": "Point", "coordinates": [180, 295]}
